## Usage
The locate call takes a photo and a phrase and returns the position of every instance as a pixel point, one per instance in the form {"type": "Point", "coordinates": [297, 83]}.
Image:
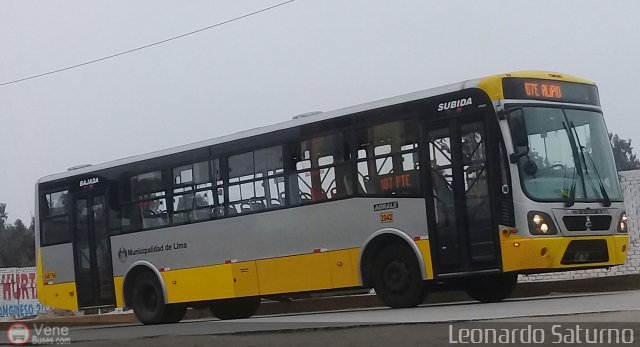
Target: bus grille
{"type": "Point", "coordinates": [585, 251]}
{"type": "Point", "coordinates": [579, 223]}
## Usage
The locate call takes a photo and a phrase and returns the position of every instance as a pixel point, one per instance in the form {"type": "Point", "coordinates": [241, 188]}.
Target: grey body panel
{"type": "Point", "coordinates": [59, 259]}
{"type": "Point", "coordinates": [332, 225]}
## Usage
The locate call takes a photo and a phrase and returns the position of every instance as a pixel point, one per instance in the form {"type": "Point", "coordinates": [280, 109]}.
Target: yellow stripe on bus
{"type": "Point", "coordinates": [539, 253]}
{"type": "Point", "coordinates": [298, 273]}
{"type": "Point", "coordinates": [59, 295]}
{"type": "Point", "coordinates": [117, 285]}
{"type": "Point", "coordinates": [199, 283]}
{"type": "Point", "coordinates": [424, 247]}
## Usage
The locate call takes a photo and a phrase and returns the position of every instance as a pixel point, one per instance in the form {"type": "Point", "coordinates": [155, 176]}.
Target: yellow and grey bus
{"type": "Point", "coordinates": [462, 186]}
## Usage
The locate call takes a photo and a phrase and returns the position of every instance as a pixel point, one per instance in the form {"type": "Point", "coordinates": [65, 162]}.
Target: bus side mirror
{"type": "Point", "coordinates": [519, 135]}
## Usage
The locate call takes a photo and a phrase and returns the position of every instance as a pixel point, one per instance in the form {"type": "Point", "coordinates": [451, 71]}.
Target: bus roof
{"type": "Point", "coordinates": [491, 84]}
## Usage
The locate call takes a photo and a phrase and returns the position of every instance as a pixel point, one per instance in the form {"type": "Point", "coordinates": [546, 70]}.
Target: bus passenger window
{"type": "Point", "coordinates": [55, 218]}
{"type": "Point", "coordinates": [256, 180]}
{"type": "Point", "coordinates": [193, 197]}
{"type": "Point", "coordinates": [388, 159]}
{"type": "Point", "coordinates": [322, 170]}
{"type": "Point", "coordinates": [148, 206]}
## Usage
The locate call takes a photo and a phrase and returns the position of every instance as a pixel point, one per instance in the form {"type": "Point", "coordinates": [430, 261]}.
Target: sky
{"type": "Point", "coordinates": [304, 56]}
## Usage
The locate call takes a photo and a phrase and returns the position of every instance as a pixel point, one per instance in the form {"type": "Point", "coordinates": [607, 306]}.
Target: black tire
{"type": "Point", "coordinates": [236, 308]}
{"type": "Point", "coordinates": [174, 313]}
{"type": "Point", "coordinates": [396, 277]}
{"type": "Point", "coordinates": [492, 288]}
{"type": "Point", "coordinates": [148, 302]}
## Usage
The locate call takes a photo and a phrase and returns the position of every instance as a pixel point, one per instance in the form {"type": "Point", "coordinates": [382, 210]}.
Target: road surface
{"type": "Point", "coordinates": [373, 326]}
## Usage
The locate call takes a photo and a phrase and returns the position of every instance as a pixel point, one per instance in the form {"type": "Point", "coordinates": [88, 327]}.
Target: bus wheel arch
{"type": "Point", "coordinates": [376, 242]}
{"type": "Point", "coordinates": [135, 270]}
{"type": "Point", "coordinates": [145, 292]}
{"type": "Point", "coordinates": [391, 263]}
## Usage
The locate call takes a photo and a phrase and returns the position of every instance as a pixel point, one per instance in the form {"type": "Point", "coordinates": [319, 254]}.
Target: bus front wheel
{"type": "Point", "coordinates": [396, 277]}
{"type": "Point", "coordinates": [236, 308]}
{"type": "Point", "coordinates": [492, 288]}
{"type": "Point", "coordinates": [148, 302]}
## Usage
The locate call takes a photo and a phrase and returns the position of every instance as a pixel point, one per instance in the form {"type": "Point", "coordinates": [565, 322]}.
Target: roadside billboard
{"type": "Point", "coordinates": [19, 296]}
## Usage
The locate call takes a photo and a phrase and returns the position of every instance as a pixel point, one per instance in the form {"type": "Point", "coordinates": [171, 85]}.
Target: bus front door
{"type": "Point", "coordinates": [462, 230]}
{"type": "Point", "coordinates": [92, 248]}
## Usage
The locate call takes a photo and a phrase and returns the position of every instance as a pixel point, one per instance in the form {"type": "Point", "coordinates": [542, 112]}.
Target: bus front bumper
{"type": "Point", "coordinates": [548, 254]}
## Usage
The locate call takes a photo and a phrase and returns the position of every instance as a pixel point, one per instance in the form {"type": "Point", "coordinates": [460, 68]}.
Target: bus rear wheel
{"type": "Point", "coordinates": [492, 288]}
{"type": "Point", "coordinates": [396, 277]}
{"type": "Point", "coordinates": [236, 308]}
{"type": "Point", "coordinates": [148, 302]}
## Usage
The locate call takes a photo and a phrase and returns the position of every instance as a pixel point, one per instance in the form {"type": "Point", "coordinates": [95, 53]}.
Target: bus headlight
{"type": "Point", "coordinates": [623, 223]}
{"type": "Point", "coordinates": [541, 223]}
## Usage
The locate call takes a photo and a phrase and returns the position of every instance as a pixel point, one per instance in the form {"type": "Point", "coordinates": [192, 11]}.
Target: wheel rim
{"type": "Point", "coordinates": [148, 298]}
{"type": "Point", "coordinates": [397, 276]}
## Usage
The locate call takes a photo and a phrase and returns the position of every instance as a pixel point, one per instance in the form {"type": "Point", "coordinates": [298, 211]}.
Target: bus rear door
{"type": "Point", "coordinates": [92, 250]}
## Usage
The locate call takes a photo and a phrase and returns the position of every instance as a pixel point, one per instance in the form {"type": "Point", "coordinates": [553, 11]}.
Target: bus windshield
{"type": "Point", "coordinates": [569, 156]}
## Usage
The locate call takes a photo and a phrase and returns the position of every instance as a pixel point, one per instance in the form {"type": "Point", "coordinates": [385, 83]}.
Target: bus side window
{"type": "Point", "coordinates": [55, 218]}
{"type": "Point", "coordinates": [388, 159]}
{"type": "Point", "coordinates": [322, 170]}
{"type": "Point", "coordinates": [256, 180]}
{"type": "Point", "coordinates": [148, 206]}
{"type": "Point", "coordinates": [193, 192]}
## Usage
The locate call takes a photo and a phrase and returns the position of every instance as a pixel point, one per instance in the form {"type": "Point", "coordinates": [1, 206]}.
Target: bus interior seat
{"type": "Point", "coordinates": [201, 214]}
{"type": "Point", "coordinates": [180, 218]}
{"type": "Point", "coordinates": [257, 205]}
{"type": "Point", "coordinates": [245, 207]}
{"type": "Point", "coordinates": [347, 186]}
{"type": "Point", "coordinates": [153, 221]}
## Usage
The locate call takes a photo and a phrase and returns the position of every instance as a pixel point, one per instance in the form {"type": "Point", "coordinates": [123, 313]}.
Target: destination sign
{"type": "Point", "coordinates": [539, 89]}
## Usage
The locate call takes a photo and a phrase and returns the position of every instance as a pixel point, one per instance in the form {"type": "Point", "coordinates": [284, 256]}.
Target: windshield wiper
{"type": "Point", "coordinates": [578, 166]}
{"type": "Point", "coordinates": [572, 191]}
{"type": "Point", "coordinates": [605, 197]}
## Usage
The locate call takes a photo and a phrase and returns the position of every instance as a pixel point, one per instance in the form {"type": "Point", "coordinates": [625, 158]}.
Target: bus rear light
{"type": "Point", "coordinates": [541, 223]}
{"type": "Point", "coordinates": [319, 250]}
{"type": "Point", "coordinates": [163, 269]}
{"type": "Point", "coordinates": [231, 261]}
